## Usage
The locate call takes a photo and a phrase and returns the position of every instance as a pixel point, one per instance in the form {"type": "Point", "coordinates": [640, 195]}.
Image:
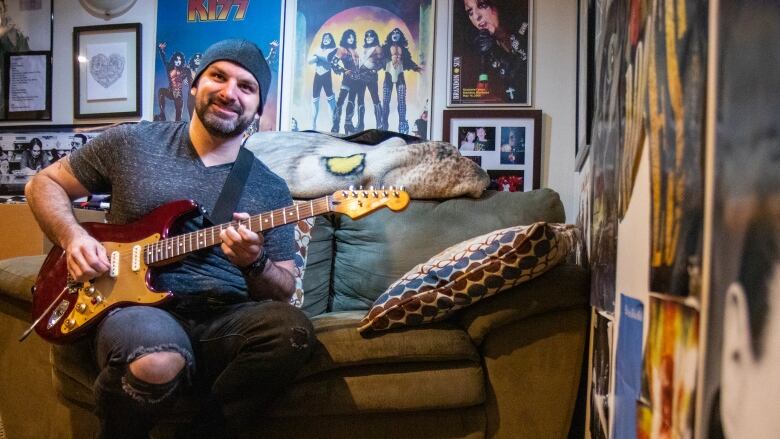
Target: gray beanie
{"type": "Point", "coordinates": [244, 53]}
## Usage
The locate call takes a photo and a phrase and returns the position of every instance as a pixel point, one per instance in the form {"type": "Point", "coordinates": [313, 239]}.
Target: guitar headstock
{"type": "Point", "coordinates": [358, 202]}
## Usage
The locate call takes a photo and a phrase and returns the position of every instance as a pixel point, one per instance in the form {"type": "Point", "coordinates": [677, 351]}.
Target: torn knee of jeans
{"type": "Point", "coordinates": [299, 338]}
{"type": "Point", "coordinates": [149, 393]}
{"type": "Point", "coordinates": [166, 347]}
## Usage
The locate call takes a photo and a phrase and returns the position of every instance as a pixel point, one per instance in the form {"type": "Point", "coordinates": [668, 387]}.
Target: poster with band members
{"type": "Point", "coordinates": [185, 29]}
{"type": "Point", "coordinates": [490, 52]}
{"type": "Point", "coordinates": [360, 64]}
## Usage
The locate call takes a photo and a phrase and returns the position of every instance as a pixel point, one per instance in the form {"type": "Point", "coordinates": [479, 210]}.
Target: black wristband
{"type": "Point", "coordinates": [257, 267]}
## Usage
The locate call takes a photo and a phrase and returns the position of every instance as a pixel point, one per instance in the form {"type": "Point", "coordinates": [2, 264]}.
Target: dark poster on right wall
{"type": "Point", "coordinates": [741, 379]}
{"type": "Point", "coordinates": [674, 123]}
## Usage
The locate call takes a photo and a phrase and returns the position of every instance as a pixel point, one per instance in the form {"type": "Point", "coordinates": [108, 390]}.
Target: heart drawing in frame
{"type": "Point", "coordinates": [106, 70]}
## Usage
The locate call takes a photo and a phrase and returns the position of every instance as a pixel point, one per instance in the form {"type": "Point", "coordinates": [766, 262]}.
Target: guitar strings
{"type": "Point", "coordinates": [318, 203]}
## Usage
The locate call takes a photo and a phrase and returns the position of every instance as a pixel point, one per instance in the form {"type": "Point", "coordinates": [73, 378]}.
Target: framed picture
{"type": "Point", "coordinates": [27, 85]}
{"type": "Point", "coordinates": [186, 28]}
{"type": "Point", "coordinates": [331, 89]}
{"type": "Point", "coordinates": [586, 35]}
{"type": "Point", "coordinates": [26, 149]}
{"type": "Point", "coordinates": [25, 26]}
{"type": "Point", "coordinates": [489, 53]}
{"type": "Point", "coordinates": [507, 142]}
{"type": "Point", "coordinates": [107, 71]}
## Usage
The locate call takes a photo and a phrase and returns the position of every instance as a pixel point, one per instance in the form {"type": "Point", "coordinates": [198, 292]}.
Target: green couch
{"type": "Point", "coordinates": [505, 367]}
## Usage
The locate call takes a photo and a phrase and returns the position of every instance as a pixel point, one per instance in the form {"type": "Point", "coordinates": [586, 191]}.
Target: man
{"type": "Point", "coordinates": [398, 59]}
{"type": "Point", "coordinates": [34, 159]}
{"type": "Point", "coordinates": [323, 79]}
{"type": "Point", "coordinates": [178, 76]}
{"type": "Point", "coordinates": [368, 78]}
{"type": "Point", "coordinates": [78, 141]}
{"type": "Point", "coordinates": [345, 62]}
{"type": "Point", "coordinates": [230, 333]}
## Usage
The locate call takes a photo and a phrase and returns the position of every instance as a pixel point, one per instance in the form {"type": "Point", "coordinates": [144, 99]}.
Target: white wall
{"type": "Point", "coordinates": [554, 78]}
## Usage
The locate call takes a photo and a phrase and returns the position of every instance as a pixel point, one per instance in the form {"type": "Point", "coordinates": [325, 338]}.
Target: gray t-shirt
{"type": "Point", "coordinates": [149, 164]}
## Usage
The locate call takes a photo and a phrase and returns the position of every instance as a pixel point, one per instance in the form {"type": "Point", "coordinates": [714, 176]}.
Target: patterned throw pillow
{"type": "Point", "coordinates": [302, 239]}
{"type": "Point", "coordinates": [470, 271]}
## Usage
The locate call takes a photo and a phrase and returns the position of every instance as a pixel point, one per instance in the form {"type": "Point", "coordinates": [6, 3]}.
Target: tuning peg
{"type": "Point", "coordinates": [352, 188]}
{"type": "Point", "coordinates": [345, 193]}
{"type": "Point", "coordinates": [361, 187]}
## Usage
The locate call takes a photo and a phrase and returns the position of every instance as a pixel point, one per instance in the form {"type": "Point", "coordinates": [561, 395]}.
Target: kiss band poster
{"type": "Point", "coordinates": [360, 64]}
{"type": "Point", "coordinates": [186, 28]}
{"type": "Point", "coordinates": [490, 52]}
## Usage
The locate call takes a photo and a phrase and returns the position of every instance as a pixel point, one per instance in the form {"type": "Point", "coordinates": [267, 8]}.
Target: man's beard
{"type": "Point", "coordinates": [219, 127]}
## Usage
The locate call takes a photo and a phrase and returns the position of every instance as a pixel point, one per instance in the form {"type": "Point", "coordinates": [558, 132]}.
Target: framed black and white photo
{"type": "Point", "coordinates": [27, 85]}
{"type": "Point", "coordinates": [489, 56]}
{"type": "Point", "coordinates": [27, 149]}
{"type": "Point", "coordinates": [586, 31]}
{"type": "Point", "coordinates": [507, 143]}
{"type": "Point", "coordinates": [25, 26]}
{"type": "Point", "coordinates": [107, 71]}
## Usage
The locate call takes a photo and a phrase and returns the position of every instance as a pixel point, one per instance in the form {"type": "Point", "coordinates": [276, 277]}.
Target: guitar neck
{"type": "Point", "coordinates": [181, 245]}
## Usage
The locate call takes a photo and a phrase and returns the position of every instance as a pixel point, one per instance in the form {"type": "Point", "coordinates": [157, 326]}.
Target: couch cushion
{"type": "Point", "coordinates": [373, 252]}
{"type": "Point", "coordinates": [469, 272]}
{"type": "Point", "coordinates": [319, 262]}
{"type": "Point", "coordinates": [417, 369]}
{"type": "Point", "coordinates": [17, 276]}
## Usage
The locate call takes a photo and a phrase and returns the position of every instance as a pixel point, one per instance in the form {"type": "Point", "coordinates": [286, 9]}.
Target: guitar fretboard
{"type": "Point", "coordinates": [180, 245]}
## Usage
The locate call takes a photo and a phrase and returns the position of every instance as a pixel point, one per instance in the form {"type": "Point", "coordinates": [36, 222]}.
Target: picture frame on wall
{"type": "Point", "coordinates": [27, 85]}
{"type": "Point", "coordinates": [26, 27]}
{"type": "Point", "coordinates": [322, 61]}
{"type": "Point", "coordinates": [107, 71]}
{"type": "Point", "coordinates": [586, 36]}
{"type": "Point", "coordinates": [483, 68]}
{"type": "Point", "coordinates": [508, 144]}
{"type": "Point", "coordinates": [27, 149]}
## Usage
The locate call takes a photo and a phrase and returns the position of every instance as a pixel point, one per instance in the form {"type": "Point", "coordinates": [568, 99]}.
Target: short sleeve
{"type": "Point", "coordinates": [93, 164]}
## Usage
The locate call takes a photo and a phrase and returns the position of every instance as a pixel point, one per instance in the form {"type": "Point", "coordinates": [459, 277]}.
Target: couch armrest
{"type": "Point", "coordinates": [17, 276]}
{"type": "Point", "coordinates": [563, 287]}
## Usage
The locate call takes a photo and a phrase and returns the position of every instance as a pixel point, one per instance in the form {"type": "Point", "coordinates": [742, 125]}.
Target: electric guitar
{"type": "Point", "coordinates": [64, 309]}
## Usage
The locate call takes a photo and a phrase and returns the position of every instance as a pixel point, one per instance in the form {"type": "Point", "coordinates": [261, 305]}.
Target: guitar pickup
{"type": "Point", "coordinates": [114, 272]}
{"type": "Point", "coordinates": [135, 264]}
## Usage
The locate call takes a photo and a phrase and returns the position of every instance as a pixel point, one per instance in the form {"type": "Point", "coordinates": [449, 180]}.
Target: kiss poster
{"type": "Point", "coordinates": [360, 64]}
{"type": "Point", "coordinates": [185, 29]}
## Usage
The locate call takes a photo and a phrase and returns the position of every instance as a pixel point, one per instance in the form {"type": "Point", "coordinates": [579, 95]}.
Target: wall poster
{"type": "Point", "coordinates": [742, 356]}
{"type": "Point", "coordinates": [186, 28]}
{"type": "Point", "coordinates": [360, 64]}
{"type": "Point", "coordinates": [490, 52]}
{"type": "Point", "coordinates": [677, 57]}
{"type": "Point", "coordinates": [611, 28]}
{"type": "Point", "coordinates": [669, 371]}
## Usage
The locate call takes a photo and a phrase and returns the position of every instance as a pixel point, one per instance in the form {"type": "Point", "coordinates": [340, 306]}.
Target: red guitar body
{"type": "Point", "coordinates": [71, 308]}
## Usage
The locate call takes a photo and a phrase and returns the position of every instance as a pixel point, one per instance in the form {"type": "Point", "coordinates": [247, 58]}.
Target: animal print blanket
{"type": "Point", "coordinates": [317, 164]}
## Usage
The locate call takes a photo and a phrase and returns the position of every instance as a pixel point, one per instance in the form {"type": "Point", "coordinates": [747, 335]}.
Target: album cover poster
{"type": "Point", "coordinates": [490, 52]}
{"type": "Point", "coordinates": [611, 28]}
{"type": "Point", "coordinates": [361, 64]}
{"type": "Point", "coordinates": [628, 367]}
{"type": "Point", "coordinates": [601, 333]}
{"type": "Point", "coordinates": [675, 128]}
{"type": "Point", "coordinates": [670, 368]}
{"type": "Point", "coordinates": [741, 380]}
{"type": "Point", "coordinates": [186, 28]}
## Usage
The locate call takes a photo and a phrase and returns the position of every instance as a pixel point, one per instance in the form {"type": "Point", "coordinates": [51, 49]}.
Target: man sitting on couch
{"type": "Point", "coordinates": [230, 331]}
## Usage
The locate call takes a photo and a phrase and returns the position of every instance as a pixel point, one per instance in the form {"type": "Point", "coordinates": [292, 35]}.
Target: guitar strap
{"type": "Point", "coordinates": [233, 188]}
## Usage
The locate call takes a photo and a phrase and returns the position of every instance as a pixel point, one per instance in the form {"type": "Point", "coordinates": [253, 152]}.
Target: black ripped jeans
{"type": "Point", "coordinates": [233, 353]}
